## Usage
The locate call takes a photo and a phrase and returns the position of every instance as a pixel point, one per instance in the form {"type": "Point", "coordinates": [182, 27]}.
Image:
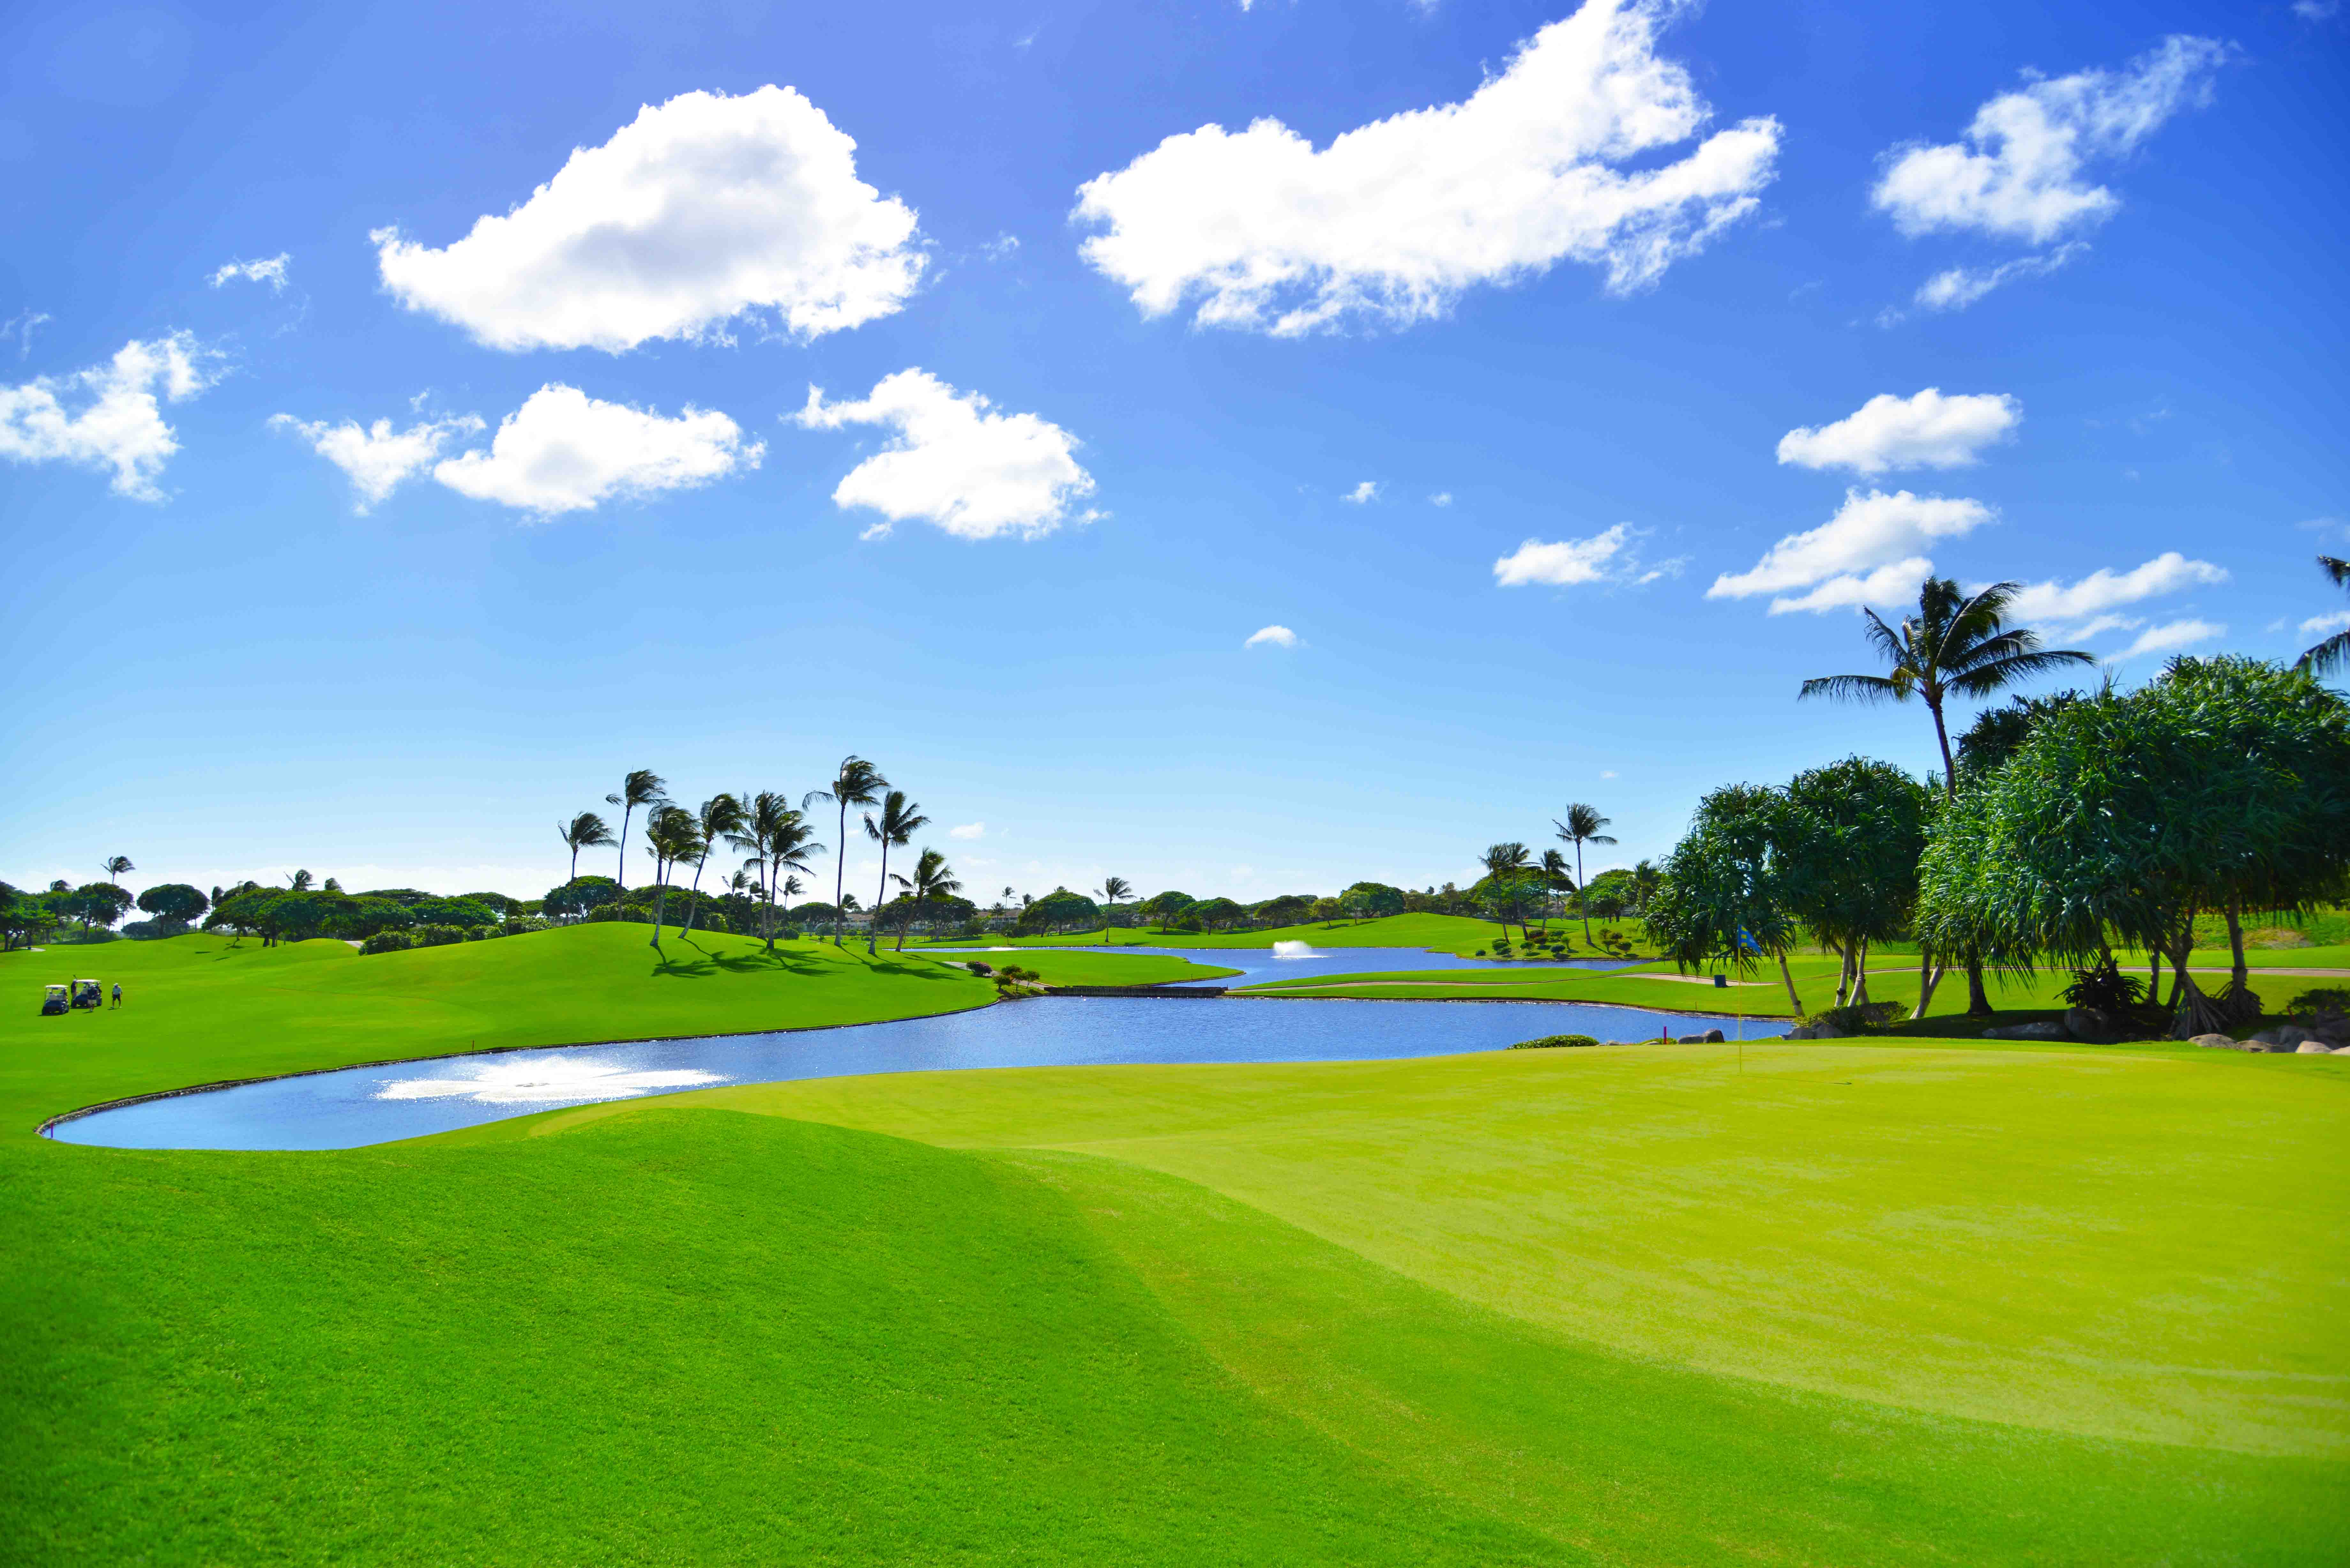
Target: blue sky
{"type": "Point", "coordinates": [1556, 378]}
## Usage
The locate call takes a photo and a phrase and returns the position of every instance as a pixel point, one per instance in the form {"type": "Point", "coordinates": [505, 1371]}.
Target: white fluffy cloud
{"type": "Point", "coordinates": [1368, 491]}
{"type": "Point", "coordinates": [1870, 552]}
{"type": "Point", "coordinates": [2338, 621]}
{"type": "Point", "coordinates": [1272, 637]}
{"type": "Point", "coordinates": [2105, 590]}
{"type": "Point", "coordinates": [968, 830]}
{"type": "Point", "coordinates": [1927, 431]}
{"type": "Point", "coordinates": [1392, 221]}
{"type": "Point", "coordinates": [951, 461]}
{"type": "Point", "coordinates": [564, 450]}
{"type": "Point", "coordinates": [1565, 562]}
{"type": "Point", "coordinates": [2021, 171]}
{"type": "Point", "coordinates": [378, 458]}
{"type": "Point", "coordinates": [270, 270]}
{"type": "Point", "coordinates": [108, 416]}
{"type": "Point", "coordinates": [2169, 637]}
{"type": "Point", "coordinates": [1955, 288]}
{"type": "Point", "coordinates": [696, 212]}
{"type": "Point", "coordinates": [1441, 498]}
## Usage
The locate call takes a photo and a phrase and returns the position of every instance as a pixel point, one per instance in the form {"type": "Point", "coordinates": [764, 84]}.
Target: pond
{"type": "Point", "coordinates": [355, 1106]}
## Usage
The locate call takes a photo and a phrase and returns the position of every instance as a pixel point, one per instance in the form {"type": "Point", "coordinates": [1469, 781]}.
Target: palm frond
{"type": "Point", "coordinates": [1855, 689]}
{"type": "Point", "coordinates": [2336, 570]}
{"type": "Point", "coordinates": [1983, 681]}
{"type": "Point", "coordinates": [2330, 657]}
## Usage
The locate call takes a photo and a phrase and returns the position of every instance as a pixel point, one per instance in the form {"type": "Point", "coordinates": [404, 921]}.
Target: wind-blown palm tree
{"type": "Point", "coordinates": [933, 879]}
{"type": "Point", "coordinates": [643, 787]}
{"type": "Point", "coordinates": [778, 837]}
{"type": "Point", "coordinates": [585, 831]}
{"type": "Point", "coordinates": [1645, 881]}
{"type": "Point", "coordinates": [118, 867]}
{"type": "Point", "coordinates": [1504, 863]}
{"type": "Point", "coordinates": [1958, 644]}
{"type": "Point", "coordinates": [1112, 890]}
{"type": "Point", "coordinates": [859, 783]}
{"type": "Point", "coordinates": [674, 835]}
{"type": "Point", "coordinates": [901, 819]}
{"type": "Point", "coordinates": [1554, 877]}
{"type": "Point", "coordinates": [1581, 827]}
{"type": "Point", "coordinates": [2330, 657]}
{"type": "Point", "coordinates": [721, 815]}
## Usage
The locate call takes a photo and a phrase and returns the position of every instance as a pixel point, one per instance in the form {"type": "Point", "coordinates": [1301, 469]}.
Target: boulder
{"type": "Point", "coordinates": [2314, 1047]}
{"type": "Point", "coordinates": [2027, 1032]}
{"type": "Point", "coordinates": [2213, 1041]}
{"type": "Point", "coordinates": [1800, 1032]}
{"type": "Point", "coordinates": [1817, 1028]}
{"type": "Point", "coordinates": [2095, 1025]}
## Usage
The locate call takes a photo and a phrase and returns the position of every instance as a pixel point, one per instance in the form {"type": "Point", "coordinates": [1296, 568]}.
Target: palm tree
{"type": "Point", "coordinates": [1645, 881]}
{"type": "Point", "coordinates": [585, 831]}
{"type": "Point", "coordinates": [1581, 827]}
{"type": "Point", "coordinates": [1504, 863]}
{"type": "Point", "coordinates": [779, 837]}
{"type": "Point", "coordinates": [721, 815]}
{"type": "Point", "coordinates": [2330, 657]}
{"type": "Point", "coordinates": [859, 783]}
{"type": "Point", "coordinates": [1957, 644]}
{"type": "Point", "coordinates": [643, 787]}
{"type": "Point", "coordinates": [674, 835]}
{"type": "Point", "coordinates": [933, 879]}
{"type": "Point", "coordinates": [1554, 877]}
{"type": "Point", "coordinates": [117, 868]}
{"type": "Point", "coordinates": [900, 820]}
{"type": "Point", "coordinates": [1112, 890]}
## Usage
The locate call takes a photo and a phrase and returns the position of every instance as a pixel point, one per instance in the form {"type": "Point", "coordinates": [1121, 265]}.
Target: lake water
{"type": "Point", "coordinates": [357, 1105]}
{"type": "Point", "coordinates": [1294, 960]}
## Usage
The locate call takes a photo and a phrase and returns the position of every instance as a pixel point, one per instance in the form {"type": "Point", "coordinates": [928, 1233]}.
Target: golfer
{"type": "Point", "coordinates": [118, 993]}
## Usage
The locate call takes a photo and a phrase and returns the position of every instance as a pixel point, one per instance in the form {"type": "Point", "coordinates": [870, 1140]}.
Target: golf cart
{"type": "Point", "coordinates": [86, 993]}
{"type": "Point", "coordinates": [53, 1003]}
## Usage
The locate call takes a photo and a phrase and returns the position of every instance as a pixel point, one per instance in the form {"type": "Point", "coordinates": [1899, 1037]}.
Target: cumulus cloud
{"type": "Point", "coordinates": [1394, 220]}
{"type": "Point", "coordinates": [2022, 170]}
{"type": "Point", "coordinates": [110, 415]}
{"type": "Point", "coordinates": [1955, 288]}
{"type": "Point", "coordinates": [1366, 492]}
{"type": "Point", "coordinates": [2338, 621]}
{"type": "Point", "coordinates": [2169, 637]}
{"type": "Point", "coordinates": [968, 830]}
{"type": "Point", "coordinates": [378, 458]}
{"type": "Point", "coordinates": [271, 270]}
{"type": "Point", "coordinates": [700, 210]}
{"type": "Point", "coordinates": [1868, 553]}
{"type": "Point", "coordinates": [951, 461]}
{"type": "Point", "coordinates": [2105, 590]}
{"type": "Point", "coordinates": [564, 450]}
{"type": "Point", "coordinates": [1566, 562]}
{"type": "Point", "coordinates": [1272, 637]}
{"type": "Point", "coordinates": [1927, 431]}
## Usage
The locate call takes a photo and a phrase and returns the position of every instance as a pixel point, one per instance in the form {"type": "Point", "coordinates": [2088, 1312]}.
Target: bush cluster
{"type": "Point", "coordinates": [1553, 1041]}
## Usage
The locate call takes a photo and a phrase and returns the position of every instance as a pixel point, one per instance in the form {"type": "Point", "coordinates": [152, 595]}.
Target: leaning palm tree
{"type": "Point", "coordinates": [2330, 657]}
{"type": "Point", "coordinates": [933, 879]}
{"type": "Point", "coordinates": [643, 787]}
{"type": "Point", "coordinates": [585, 831]}
{"type": "Point", "coordinates": [859, 783]}
{"type": "Point", "coordinates": [673, 835]}
{"type": "Point", "coordinates": [900, 820]}
{"type": "Point", "coordinates": [1958, 644]}
{"type": "Point", "coordinates": [1504, 864]}
{"type": "Point", "coordinates": [1581, 827]}
{"type": "Point", "coordinates": [1112, 890]}
{"type": "Point", "coordinates": [779, 837]}
{"type": "Point", "coordinates": [720, 815]}
{"type": "Point", "coordinates": [118, 867]}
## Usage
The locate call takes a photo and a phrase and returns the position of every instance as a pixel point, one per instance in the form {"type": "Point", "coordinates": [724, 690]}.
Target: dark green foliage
{"type": "Point", "coordinates": [1371, 901]}
{"type": "Point", "coordinates": [386, 942]}
{"type": "Point", "coordinates": [1725, 898]}
{"type": "Point", "coordinates": [2104, 987]}
{"type": "Point", "coordinates": [174, 901]}
{"type": "Point", "coordinates": [1060, 910]}
{"type": "Point", "coordinates": [2322, 999]}
{"type": "Point", "coordinates": [1998, 734]}
{"type": "Point", "coordinates": [1288, 909]}
{"type": "Point", "coordinates": [1847, 839]}
{"type": "Point", "coordinates": [576, 897]}
{"type": "Point", "coordinates": [1551, 1041]}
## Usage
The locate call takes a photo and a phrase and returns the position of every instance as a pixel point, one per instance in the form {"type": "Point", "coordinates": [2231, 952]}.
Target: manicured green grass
{"type": "Point", "coordinates": [1441, 933]}
{"type": "Point", "coordinates": [1117, 966]}
{"type": "Point", "coordinates": [1885, 1303]}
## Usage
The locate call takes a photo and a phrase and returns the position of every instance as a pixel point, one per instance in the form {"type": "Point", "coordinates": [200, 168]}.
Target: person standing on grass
{"type": "Point", "coordinates": [118, 993]}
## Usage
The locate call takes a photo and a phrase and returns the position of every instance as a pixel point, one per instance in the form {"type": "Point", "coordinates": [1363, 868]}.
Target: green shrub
{"type": "Point", "coordinates": [2324, 999]}
{"type": "Point", "coordinates": [1551, 1041]}
{"type": "Point", "coordinates": [386, 942]}
{"type": "Point", "coordinates": [437, 936]}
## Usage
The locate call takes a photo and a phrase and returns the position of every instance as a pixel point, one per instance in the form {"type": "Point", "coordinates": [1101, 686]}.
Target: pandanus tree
{"type": "Point", "coordinates": [779, 840]}
{"type": "Point", "coordinates": [1848, 838]}
{"type": "Point", "coordinates": [932, 878]}
{"type": "Point", "coordinates": [897, 823]}
{"type": "Point", "coordinates": [1724, 898]}
{"type": "Point", "coordinates": [673, 835]}
{"type": "Point", "coordinates": [1956, 644]}
{"type": "Point", "coordinates": [1112, 890]}
{"type": "Point", "coordinates": [857, 782]}
{"type": "Point", "coordinates": [720, 817]}
{"type": "Point", "coordinates": [1505, 869]}
{"type": "Point", "coordinates": [585, 831]}
{"type": "Point", "coordinates": [643, 787]}
{"type": "Point", "coordinates": [2330, 657]}
{"type": "Point", "coordinates": [1582, 826]}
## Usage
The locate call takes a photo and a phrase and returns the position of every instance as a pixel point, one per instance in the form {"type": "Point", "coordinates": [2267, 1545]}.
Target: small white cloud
{"type": "Point", "coordinates": [2106, 590]}
{"type": "Point", "coordinates": [2168, 637]}
{"type": "Point", "coordinates": [564, 450]}
{"type": "Point", "coordinates": [1367, 491]}
{"type": "Point", "coordinates": [2338, 621]}
{"type": "Point", "coordinates": [2021, 171]}
{"type": "Point", "coordinates": [1272, 637]}
{"type": "Point", "coordinates": [2098, 626]}
{"type": "Point", "coordinates": [1927, 431]}
{"type": "Point", "coordinates": [698, 212]}
{"type": "Point", "coordinates": [270, 270]}
{"type": "Point", "coordinates": [968, 830]}
{"type": "Point", "coordinates": [2314, 10]}
{"type": "Point", "coordinates": [1608, 772]}
{"type": "Point", "coordinates": [20, 326]}
{"type": "Point", "coordinates": [378, 458]}
{"type": "Point", "coordinates": [1003, 247]}
{"type": "Point", "coordinates": [108, 416]}
{"type": "Point", "coordinates": [1566, 562]}
{"type": "Point", "coordinates": [951, 461]}
{"type": "Point", "coordinates": [1441, 498]}
{"type": "Point", "coordinates": [1895, 582]}
{"type": "Point", "coordinates": [1875, 534]}
{"type": "Point", "coordinates": [1548, 161]}
{"type": "Point", "coordinates": [1959, 286]}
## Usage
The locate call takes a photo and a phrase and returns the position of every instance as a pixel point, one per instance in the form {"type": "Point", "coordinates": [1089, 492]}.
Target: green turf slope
{"type": "Point", "coordinates": [1442, 933]}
